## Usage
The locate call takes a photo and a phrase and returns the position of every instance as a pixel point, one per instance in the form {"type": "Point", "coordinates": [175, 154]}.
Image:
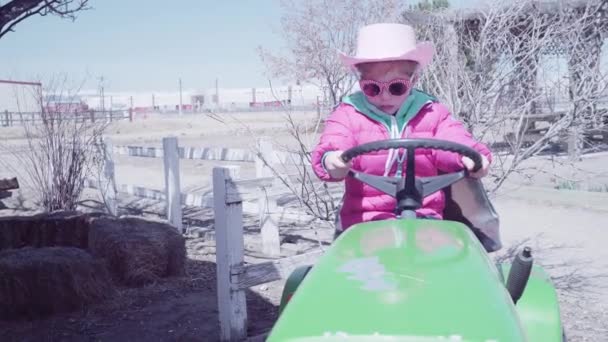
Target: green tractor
{"type": "Point", "coordinates": [414, 279]}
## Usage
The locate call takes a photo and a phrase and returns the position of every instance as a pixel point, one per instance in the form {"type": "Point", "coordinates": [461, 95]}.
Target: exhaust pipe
{"type": "Point", "coordinates": [520, 273]}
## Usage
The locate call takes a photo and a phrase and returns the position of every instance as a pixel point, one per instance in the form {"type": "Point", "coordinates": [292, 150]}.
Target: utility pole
{"type": "Point", "coordinates": [103, 101]}
{"type": "Point", "coordinates": [180, 96]}
{"type": "Point", "coordinates": [217, 95]}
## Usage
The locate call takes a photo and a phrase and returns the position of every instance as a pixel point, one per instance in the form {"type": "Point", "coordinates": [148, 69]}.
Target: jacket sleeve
{"type": "Point", "coordinates": [337, 135]}
{"type": "Point", "coordinates": [451, 129]}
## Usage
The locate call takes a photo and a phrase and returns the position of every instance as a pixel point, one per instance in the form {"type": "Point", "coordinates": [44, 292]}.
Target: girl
{"type": "Point", "coordinates": [388, 62]}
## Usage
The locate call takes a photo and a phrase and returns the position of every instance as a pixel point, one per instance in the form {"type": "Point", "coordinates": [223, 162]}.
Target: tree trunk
{"type": "Point", "coordinates": [575, 142]}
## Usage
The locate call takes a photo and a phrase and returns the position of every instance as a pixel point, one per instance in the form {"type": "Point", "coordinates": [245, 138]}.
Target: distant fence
{"type": "Point", "coordinates": [9, 119]}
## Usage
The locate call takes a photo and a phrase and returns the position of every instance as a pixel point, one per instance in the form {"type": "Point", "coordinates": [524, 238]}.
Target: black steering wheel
{"type": "Point", "coordinates": [410, 191]}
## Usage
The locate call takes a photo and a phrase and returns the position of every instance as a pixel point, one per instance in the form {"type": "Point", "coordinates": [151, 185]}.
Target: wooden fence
{"type": "Point", "coordinates": [229, 193]}
{"type": "Point", "coordinates": [263, 203]}
{"type": "Point", "coordinates": [233, 276]}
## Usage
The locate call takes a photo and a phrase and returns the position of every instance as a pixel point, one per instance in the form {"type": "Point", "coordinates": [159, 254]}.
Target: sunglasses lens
{"type": "Point", "coordinates": [397, 88]}
{"type": "Point", "coordinates": [371, 89]}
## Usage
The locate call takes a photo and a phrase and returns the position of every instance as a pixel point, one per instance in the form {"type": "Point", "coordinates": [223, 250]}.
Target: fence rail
{"type": "Point", "coordinates": [10, 119]}
{"type": "Point", "coordinates": [212, 153]}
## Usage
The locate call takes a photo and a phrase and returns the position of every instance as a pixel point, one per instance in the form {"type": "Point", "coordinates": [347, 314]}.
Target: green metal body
{"type": "Point", "coordinates": [292, 283]}
{"type": "Point", "coordinates": [538, 308]}
{"type": "Point", "coordinates": [414, 280]}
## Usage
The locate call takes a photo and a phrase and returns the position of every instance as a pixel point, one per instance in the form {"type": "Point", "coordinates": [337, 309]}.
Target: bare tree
{"type": "Point", "coordinates": [62, 148]}
{"type": "Point", "coordinates": [15, 11]}
{"type": "Point", "coordinates": [584, 42]}
{"type": "Point", "coordinates": [294, 173]}
{"type": "Point", "coordinates": [317, 198]}
{"type": "Point", "coordinates": [314, 31]}
{"type": "Point", "coordinates": [487, 70]}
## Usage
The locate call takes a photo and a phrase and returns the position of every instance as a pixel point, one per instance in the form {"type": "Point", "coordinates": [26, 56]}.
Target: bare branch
{"type": "Point", "coordinates": [16, 11]}
{"type": "Point", "coordinates": [314, 31]}
{"type": "Point", "coordinates": [62, 148]}
{"type": "Point", "coordinates": [488, 69]}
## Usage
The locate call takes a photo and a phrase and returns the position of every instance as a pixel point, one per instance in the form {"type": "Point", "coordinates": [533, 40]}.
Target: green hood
{"type": "Point", "coordinates": [412, 105]}
{"type": "Point", "coordinates": [413, 280]}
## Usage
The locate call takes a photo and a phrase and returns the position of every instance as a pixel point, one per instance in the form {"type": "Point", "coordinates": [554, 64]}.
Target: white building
{"type": "Point", "coordinates": [19, 97]}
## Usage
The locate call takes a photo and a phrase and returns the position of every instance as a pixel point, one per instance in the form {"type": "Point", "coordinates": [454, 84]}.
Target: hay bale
{"type": "Point", "coordinates": [37, 282]}
{"type": "Point", "coordinates": [63, 228]}
{"type": "Point", "coordinates": [138, 251]}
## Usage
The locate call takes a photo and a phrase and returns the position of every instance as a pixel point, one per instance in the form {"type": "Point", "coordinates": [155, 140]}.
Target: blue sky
{"type": "Point", "coordinates": [147, 45]}
{"type": "Point", "coordinates": [139, 45]}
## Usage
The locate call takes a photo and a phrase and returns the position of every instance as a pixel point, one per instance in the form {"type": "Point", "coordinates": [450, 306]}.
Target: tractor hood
{"type": "Point", "coordinates": [402, 280]}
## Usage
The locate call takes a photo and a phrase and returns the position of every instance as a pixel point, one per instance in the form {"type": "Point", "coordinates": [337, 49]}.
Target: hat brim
{"type": "Point", "coordinates": [422, 54]}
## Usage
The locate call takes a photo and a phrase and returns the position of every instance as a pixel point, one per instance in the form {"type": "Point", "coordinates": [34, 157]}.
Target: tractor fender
{"type": "Point", "coordinates": [292, 283]}
{"type": "Point", "coordinates": [538, 307]}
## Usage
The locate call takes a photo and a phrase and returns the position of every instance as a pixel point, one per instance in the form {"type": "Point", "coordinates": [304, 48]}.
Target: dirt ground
{"type": "Point", "coordinates": [567, 227]}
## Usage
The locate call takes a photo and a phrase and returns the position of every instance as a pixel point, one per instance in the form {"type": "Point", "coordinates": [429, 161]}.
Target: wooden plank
{"type": "Point", "coordinates": [212, 153]}
{"type": "Point", "coordinates": [141, 192]}
{"type": "Point", "coordinates": [537, 116]}
{"type": "Point", "coordinates": [109, 189]}
{"type": "Point", "coordinates": [195, 153]}
{"type": "Point", "coordinates": [139, 151]}
{"type": "Point", "coordinates": [9, 184]}
{"type": "Point", "coordinates": [263, 157]}
{"type": "Point", "coordinates": [172, 182]}
{"type": "Point", "coordinates": [252, 275]}
{"type": "Point", "coordinates": [217, 153]}
{"type": "Point", "coordinates": [269, 229]}
{"type": "Point", "coordinates": [228, 218]}
{"type": "Point", "coordinates": [247, 189]}
{"type": "Point", "coordinates": [204, 200]}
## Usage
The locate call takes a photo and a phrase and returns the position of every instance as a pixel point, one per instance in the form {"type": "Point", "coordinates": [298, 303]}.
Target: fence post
{"type": "Point", "coordinates": [173, 191]}
{"type": "Point", "coordinates": [5, 118]}
{"type": "Point", "coordinates": [229, 242]}
{"type": "Point", "coordinates": [271, 243]}
{"type": "Point", "coordinates": [109, 194]}
{"type": "Point", "coordinates": [130, 114]}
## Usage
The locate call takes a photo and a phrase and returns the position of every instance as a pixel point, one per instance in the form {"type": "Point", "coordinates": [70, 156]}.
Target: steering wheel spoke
{"type": "Point", "coordinates": [388, 185]}
{"type": "Point", "coordinates": [433, 184]}
{"type": "Point", "coordinates": [410, 190]}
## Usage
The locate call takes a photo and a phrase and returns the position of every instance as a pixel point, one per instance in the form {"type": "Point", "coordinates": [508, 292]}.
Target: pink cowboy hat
{"type": "Point", "coordinates": [388, 42]}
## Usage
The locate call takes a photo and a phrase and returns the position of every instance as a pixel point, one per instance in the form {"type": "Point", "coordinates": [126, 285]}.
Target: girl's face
{"type": "Point", "coordinates": [393, 80]}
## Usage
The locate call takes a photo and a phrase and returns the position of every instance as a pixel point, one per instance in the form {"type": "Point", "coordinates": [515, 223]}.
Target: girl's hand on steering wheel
{"type": "Point", "coordinates": [335, 166]}
{"type": "Point", "coordinates": [469, 164]}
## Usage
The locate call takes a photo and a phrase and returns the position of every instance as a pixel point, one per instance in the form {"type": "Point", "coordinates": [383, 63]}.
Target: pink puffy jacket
{"type": "Point", "coordinates": [356, 122]}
